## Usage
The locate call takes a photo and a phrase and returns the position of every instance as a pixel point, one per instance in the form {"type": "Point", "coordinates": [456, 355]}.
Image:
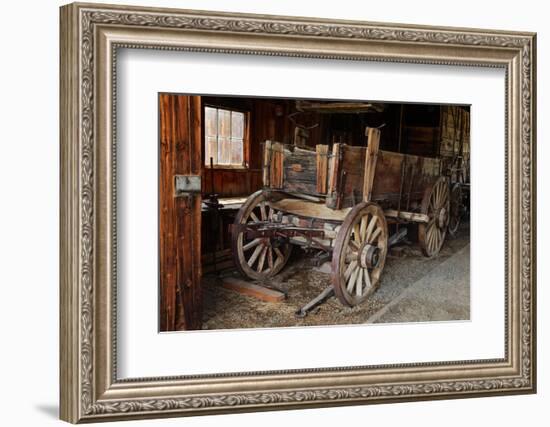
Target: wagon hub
{"type": "Point", "coordinates": [441, 217]}
{"type": "Point", "coordinates": [369, 256]}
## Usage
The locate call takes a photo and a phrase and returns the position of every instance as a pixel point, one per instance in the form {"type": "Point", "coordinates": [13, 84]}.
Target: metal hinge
{"type": "Point", "coordinates": [186, 184]}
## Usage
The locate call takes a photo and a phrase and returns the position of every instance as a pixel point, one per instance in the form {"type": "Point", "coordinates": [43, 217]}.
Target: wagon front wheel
{"type": "Point", "coordinates": [359, 254]}
{"type": "Point", "coordinates": [258, 257]}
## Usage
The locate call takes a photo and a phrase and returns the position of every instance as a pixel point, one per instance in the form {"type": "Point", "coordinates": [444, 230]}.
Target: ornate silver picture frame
{"type": "Point", "coordinates": [90, 37]}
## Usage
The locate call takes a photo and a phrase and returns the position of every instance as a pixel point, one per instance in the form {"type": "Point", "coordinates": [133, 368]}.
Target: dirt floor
{"type": "Point", "coordinates": [405, 268]}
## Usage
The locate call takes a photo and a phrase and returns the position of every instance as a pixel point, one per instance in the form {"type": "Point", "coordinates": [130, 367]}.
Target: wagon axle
{"type": "Point", "coordinates": [369, 256]}
{"type": "Point", "coordinates": [442, 217]}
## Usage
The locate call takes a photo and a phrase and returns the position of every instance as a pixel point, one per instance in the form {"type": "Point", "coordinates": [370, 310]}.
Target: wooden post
{"type": "Point", "coordinates": [276, 166]}
{"type": "Point", "coordinates": [334, 170]}
{"type": "Point", "coordinates": [371, 156]}
{"type": "Point", "coordinates": [267, 163]}
{"type": "Point", "coordinates": [322, 168]}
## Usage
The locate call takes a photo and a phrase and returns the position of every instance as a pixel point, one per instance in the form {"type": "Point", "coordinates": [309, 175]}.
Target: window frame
{"type": "Point", "coordinates": [246, 137]}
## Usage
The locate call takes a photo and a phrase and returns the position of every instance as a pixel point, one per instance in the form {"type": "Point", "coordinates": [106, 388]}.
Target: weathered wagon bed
{"type": "Point", "coordinates": [339, 201]}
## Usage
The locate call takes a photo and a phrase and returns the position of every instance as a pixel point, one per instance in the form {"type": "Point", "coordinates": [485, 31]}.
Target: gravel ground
{"type": "Point", "coordinates": [227, 309]}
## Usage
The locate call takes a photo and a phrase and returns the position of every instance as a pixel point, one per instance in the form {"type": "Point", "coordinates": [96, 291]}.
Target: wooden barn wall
{"type": "Point", "coordinates": [455, 131]}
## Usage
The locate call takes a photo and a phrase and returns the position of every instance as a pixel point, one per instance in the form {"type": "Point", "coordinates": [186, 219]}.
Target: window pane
{"type": "Point", "coordinates": [224, 134]}
{"type": "Point", "coordinates": [237, 125]}
{"type": "Point", "coordinates": [237, 151]}
{"type": "Point", "coordinates": [210, 150]}
{"type": "Point", "coordinates": [224, 150]}
{"type": "Point", "coordinates": [224, 123]}
{"type": "Point", "coordinates": [211, 125]}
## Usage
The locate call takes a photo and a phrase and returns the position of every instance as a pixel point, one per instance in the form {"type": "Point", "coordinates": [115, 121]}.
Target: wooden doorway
{"type": "Point", "coordinates": [179, 212]}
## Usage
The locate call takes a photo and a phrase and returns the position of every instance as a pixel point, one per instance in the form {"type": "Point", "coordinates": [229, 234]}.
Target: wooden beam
{"type": "Point", "coordinates": [310, 209]}
{"type": "Point", "coordinates": [410, 216]}
{"type": "Point", "coordinates": [253, 290]}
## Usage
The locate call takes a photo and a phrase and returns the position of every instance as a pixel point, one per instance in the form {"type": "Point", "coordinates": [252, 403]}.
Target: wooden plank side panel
{"type": "Point", "coordinates": [179, 218]}
{"type": "Point", "coordinates": [352, 173]}
{"type": "Point", "coordinates": [417, 174]}
{"type": "Point", "coordinates": [299, 171]}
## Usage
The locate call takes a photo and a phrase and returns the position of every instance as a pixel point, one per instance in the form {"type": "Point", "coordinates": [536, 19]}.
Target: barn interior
{"type": "Point", "coordinates": [233, 133]}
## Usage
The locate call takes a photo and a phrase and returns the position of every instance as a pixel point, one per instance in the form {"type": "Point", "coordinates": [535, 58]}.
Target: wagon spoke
{"type": "Point", "coordinates": [351, 255]}
{"type": "Point", "coordinates": [431, 238]}
{"type": "Point", "coordinates": [270, 257]}
{"type": "Point", "coordinates": [372, 223]}
{"type": "Point", "coordinates": [438, 196]}
{"type": "Point", "coordinates": [441, 193]}
{"type": "Point", "coordinates": [261, 262]}
{"type": "Point", "coordinates": [354, 246]}
{"type": "Point", "coordinates": [359, 283]}
{"type": "Point", "coordinates": [349, 269]}
{"type": "Point", "coordinates": [255, 255]}
{"type": "Point", "coordinates": [263, 214]}
{"type": "Point", "coordinates": [254, 217]}
{"type": "Point", "coordinates": [367, 279]}
{"type": "Point", "coordinates": [363, 228]}
{"type": "Point", "coordinates": [270, 214]}
{"type": "Point", "coordinates": [356, 235]}
{"type": "Point", "coordinates": [278, 253]}
{"type": "Point", "coordinates": [437, 236]}
{"type": "Point", "coordinates": [375, 235]}
{"type": "Point", "coordinates": [432, 229]}
{"type": "Point", "coordinates": [352, 279]}
{"type": "Point", "coordinates": [252, 244]}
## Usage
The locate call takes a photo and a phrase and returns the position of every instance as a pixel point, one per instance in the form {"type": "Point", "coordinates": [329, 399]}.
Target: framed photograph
{"type": "Point", "coordinates": [267, 212]}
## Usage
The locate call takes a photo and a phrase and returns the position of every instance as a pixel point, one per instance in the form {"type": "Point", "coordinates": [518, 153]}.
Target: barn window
{"type": "Point", "coordinates": [224, 133]}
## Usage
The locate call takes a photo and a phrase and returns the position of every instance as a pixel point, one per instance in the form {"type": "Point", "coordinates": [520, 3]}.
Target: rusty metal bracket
{"type": "Point", "coordinates": [185, 184]}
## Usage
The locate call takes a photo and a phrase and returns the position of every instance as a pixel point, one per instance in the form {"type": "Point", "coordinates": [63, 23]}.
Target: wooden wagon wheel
{"type": "Point", "coordinates": [261, 257]}
{"type": "Point", "coordinates": [456, 209]}
{"type": "Point", "coordinates": [359, 253]}
{"type": "Point", "coordinates": [436, 204]}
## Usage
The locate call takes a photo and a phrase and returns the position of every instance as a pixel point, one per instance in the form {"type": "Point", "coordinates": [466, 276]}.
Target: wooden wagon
{"type": "Point", "coordinates": [340, 202]}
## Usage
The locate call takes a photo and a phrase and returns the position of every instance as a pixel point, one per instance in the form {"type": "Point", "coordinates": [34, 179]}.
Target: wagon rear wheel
{"type": "Point", "coordinates": [260, 257]}
{"type": "Point", "coordinates": [435, 204]}
{"type": "Point", "coordinates": [359, 253]}
{"type": "Point", "coordinates": [456, 209]}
